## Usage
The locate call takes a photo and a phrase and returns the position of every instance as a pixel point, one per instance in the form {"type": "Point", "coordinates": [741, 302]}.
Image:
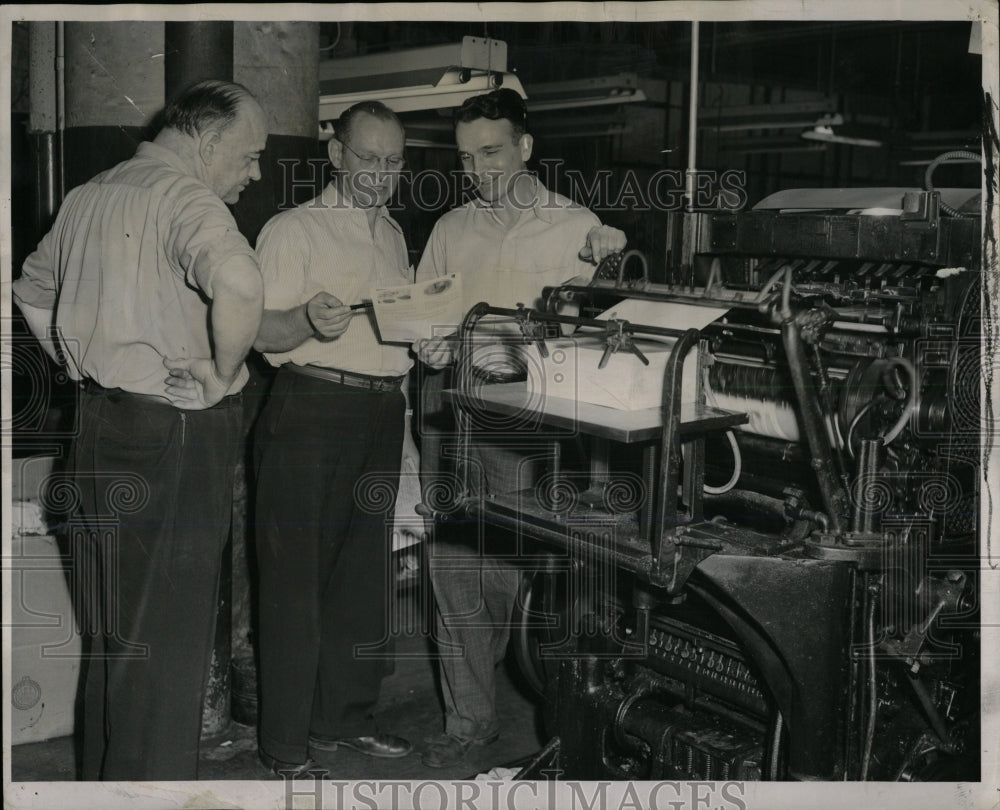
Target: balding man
{"type": "Point", "coordinates": [328, 448]}
{"type": "Point", "coordinates": [145, 270]}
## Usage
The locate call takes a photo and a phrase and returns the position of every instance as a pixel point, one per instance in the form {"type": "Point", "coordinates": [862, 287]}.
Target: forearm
{"type": "Point", "coordinates": [283, 330]}
{"type": "Point", "coordinates": [237, 306]}
{"type": "Point", "coordinates": [40, 322]}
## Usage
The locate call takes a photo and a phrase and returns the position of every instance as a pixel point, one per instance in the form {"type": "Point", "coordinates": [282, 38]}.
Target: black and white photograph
{"type": "Point", "coordinates": [686, 499]}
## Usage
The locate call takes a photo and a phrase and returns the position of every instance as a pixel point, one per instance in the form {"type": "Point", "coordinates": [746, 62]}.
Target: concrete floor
{"type": "Point", "coordinates": [410, 705]}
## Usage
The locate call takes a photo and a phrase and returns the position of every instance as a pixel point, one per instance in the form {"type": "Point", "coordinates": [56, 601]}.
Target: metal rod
{"type": "Point", "coordinates": [61, 107]}
{"type": "Point", "coordinates": [933, 715]}
{"type": "Point", "coordinates": [692, 118]}
{"type": "Point", "coordinates": [834, 497]}
{"type": "Point", "coordinates": [550, 751]}
{"type": "Point", "coordinates": [665, 516]}
{"type": "Point", "coordinates": [547, 317]}
{"type": "Point", "coordinates": [463, 382]}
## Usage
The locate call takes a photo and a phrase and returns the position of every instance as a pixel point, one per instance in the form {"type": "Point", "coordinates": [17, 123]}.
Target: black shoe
{"type": "Point", "coordinates": [309, 769]}
{"type": "Point", "coordinates": [386, 746]}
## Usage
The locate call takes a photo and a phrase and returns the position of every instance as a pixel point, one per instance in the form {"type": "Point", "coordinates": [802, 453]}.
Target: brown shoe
{"type": "Point", "coordinates": [386, 746]}
{"type": "Point", "coordinates": [447, 749]}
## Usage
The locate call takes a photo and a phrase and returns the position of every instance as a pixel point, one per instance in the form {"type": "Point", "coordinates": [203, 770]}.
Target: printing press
{"type": "Point", "coordinates": [750, 550]}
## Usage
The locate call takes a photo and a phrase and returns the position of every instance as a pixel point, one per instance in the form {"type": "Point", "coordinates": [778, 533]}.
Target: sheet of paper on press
{"type": "Point", "coordinates": [767, 418]}
{"type": "Point", "coordinates": [668, 314]}
{"type": "Point", "coordinates": [572, 371]}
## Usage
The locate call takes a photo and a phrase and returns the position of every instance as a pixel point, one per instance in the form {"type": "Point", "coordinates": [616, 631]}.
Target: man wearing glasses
{"type": "Point", "coordinates": [334, 421]}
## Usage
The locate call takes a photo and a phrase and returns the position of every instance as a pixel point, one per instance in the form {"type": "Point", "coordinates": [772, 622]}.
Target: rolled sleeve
{"type": "Point", "coordinates": [284, 256]}
{"type": "Point", "coordinates": [203, 237]}
{"type": "Point", "coordinates": [37, 285]}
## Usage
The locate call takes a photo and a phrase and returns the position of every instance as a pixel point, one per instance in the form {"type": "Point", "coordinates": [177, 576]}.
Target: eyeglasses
{"type": "Point", "coordinates": [393, 163]}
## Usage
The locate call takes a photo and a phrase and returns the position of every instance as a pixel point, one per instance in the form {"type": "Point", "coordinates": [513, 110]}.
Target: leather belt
{"type": "Point", "coordinates": [350, 378]}
{"type": "Point", "coordinates": [117, 394]}
{"type": "Point", "coordinates": [95, 389]}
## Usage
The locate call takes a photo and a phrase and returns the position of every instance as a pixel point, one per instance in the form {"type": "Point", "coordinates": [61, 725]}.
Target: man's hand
{"type": "Point", "coordinates": [602, 241]}
{"type": "Point", "coordinates": [436, 352]}
{"type": "Point", "coordinates": [327, 315]}
{"type": "Point", "coordinates": [195, 383]}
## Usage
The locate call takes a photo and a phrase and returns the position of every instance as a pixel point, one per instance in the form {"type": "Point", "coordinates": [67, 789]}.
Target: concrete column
{"type": "Point", "coordinates": [195, 51]}
{"type": "Point", "coordinates": [279, 63]}
{"type": "Point", "coordinates": [114, 73]}
{"type": "Point", "coordinates": [114, 89]}
{"type": "Point", "coordinates": [42, 125]}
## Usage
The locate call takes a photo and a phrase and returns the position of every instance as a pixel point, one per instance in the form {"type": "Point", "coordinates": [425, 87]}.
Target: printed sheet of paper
{"type": "Point", "coordinates": [668, 314]}
{"type": "Point", "coordinates": [416, 311]}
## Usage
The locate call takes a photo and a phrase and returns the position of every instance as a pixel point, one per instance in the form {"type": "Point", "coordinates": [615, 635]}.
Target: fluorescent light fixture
{"type": "Point", "coordinates": [761, 123]}
{"type": "Point", "coordinates": [431, 78]}
{"type": "Point", "coordinates": [825, 134]}
{"type": "Point", "coordinates": [450, 91]}
{"type": "Point", "coordinates": [576, 93]}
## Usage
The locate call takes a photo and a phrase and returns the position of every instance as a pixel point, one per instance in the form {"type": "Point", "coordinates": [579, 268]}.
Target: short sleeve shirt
{"type": "Point", "coordinates": [128, 268]}
{"type": "Point", "coordinates": [507, 266]}
{"type": "Point", "coordinates": [327, 245]}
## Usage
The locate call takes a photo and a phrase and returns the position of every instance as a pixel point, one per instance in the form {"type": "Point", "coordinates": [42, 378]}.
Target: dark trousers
{"type": "Point", "coordinates": [155, 502]}
{"type": "Point", "coordinates": [328, 460]}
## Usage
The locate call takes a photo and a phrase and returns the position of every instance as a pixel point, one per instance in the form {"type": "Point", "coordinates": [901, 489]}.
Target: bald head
{"type": "Point", "coordinates": [220, 130]}
{"type": "Point", "coordinates": [210, 104]}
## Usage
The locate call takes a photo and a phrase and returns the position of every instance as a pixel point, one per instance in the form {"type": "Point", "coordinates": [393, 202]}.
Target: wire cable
{"type": "Point", "coordinates": [737, 468]}
{"type": "Point", "coordinates": [958, 154]}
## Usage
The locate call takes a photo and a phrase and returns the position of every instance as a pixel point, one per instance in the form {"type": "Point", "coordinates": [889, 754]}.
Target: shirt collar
{"type": "Point", "coordinates": [161, 153]}
{"type": "Point", "coordinates": [332, 197]}
{"type": "Point", "coordinates": [542, 203]}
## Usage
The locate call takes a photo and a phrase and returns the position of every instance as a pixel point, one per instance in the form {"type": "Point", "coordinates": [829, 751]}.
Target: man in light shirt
{"type": "Point", "coordinates": [329, 443]}
{"type": "Point", "coordinates": [144, 267]}
{"type": "Point", "coordinates": [515, 238]}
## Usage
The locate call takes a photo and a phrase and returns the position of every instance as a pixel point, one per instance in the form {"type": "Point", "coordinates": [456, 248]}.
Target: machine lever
{"type": "Point", "coordinates": [532, 330]}
{"type": "Point", "coordinates": [618, 340]}
{"type": "Point", "coordinates": [608, 350]}
{"type": "Point", "coordinates": [638, 353]}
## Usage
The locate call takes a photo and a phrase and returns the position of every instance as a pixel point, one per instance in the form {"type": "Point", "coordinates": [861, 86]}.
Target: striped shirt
{"type": "Point", "coordinates": [128, 266]}
{"type": "Point", "coordinates": [326, 245]}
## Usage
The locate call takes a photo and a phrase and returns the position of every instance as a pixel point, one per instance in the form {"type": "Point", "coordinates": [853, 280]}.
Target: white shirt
{"type": "Point", "coordinates": [510, 265]}
{"type": "Point", "coordinates": [327, 245]}
{"type": "Point", "coordinates": [506, 266]}
{"type": "Point", "coordinates": [128, 266]}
